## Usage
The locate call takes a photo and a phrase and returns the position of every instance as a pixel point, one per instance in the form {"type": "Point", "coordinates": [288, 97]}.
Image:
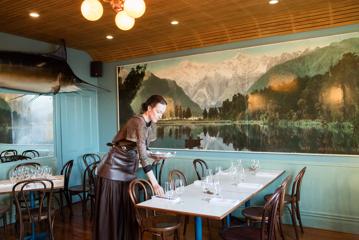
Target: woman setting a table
{"type": "Point", "coordinates": [114, 213]}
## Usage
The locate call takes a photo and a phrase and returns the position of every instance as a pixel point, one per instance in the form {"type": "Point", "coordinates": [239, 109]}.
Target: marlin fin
{"type": "Point", "coordinates": [60, 52]}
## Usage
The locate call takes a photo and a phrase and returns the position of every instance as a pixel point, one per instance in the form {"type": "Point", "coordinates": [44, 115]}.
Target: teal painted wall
{"type": "Point", "coordinates": [75, 114]}
{"type": "Point", "coordinates": [329, 193]}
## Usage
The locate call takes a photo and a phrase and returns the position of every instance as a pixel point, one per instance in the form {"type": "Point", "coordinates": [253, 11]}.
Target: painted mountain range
{"type": "Point", "coordinates": [209, 84]}
{"type": "Point", "coordinates": [317, 61]}
{"type": "Point", "coordinates": [173, 93]}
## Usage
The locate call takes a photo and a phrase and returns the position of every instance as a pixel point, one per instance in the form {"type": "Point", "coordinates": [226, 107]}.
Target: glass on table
{"type": "Point", "coordinates": [169, 189]}
{"type": "Point", "coordinates": [218, 170]}
{"type": "Point", "coordinates": [179, 186]}
{"type": "Point", "coordinates": [254, 166]}
{"type": "Point", "coordinates": [217, 188]}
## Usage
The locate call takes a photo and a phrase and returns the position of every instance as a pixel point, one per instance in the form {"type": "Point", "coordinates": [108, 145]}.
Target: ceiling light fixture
{"type": "Point", "coordinates": [109, 37]}
{"type": "Point", "coordinates": [34, 14]}
{"type": "Point", "coordinates": [127, 11]}
{"type": "Point", "coordinates": [273, 2]}
{"type": "Point", "coordinates": [174, 22]}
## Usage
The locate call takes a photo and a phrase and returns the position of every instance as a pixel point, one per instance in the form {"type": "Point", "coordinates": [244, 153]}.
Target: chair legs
{"type": "Point", "coordinates": [294, 222]}
{"type": "Point", "coordinates": [186, 219]}
{"type": "Point", "coordinates": [280, 226]}
{"type": "Point", "coordinates": [298, 216]}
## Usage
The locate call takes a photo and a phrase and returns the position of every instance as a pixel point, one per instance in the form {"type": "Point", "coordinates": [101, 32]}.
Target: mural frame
{"type": "Point", "coordinates": [119, 82]}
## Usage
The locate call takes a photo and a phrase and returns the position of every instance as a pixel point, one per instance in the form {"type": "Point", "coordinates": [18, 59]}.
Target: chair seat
{"type": "Point", "coordinates": [241, 233]}
{"type": "Point", "coordinates": [287, 198]}
{"type": "Point", "coordinates": [253, 213]}
{"type": "Point", "coordinates": [161, 223]}
{"type": "Point", "coordinates": [78, 189]}
{"type": "Point", "coordinates": [35, 214]}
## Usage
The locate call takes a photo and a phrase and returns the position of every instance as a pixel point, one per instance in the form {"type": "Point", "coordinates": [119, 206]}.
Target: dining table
{"type": "Point", "coordinates": [194, 201]}
{"type": "Point", "coordinates": [6, 186]}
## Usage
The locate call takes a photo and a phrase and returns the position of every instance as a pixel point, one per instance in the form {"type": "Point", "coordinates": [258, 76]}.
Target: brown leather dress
{"type": "Point", "coordinates": [114, 213]}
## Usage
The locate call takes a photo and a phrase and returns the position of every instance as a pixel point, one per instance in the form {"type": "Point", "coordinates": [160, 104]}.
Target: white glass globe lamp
{"type": "Point", "coordinates": [123, 21]}
{"type": "Point", "coordinates": [92, 10]}
{"type": "Point", "coordinates": [134, 8]}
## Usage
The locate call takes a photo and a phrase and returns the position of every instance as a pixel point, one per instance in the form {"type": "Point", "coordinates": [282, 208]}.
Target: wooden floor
{"type": "Point", "coordinates": [79, 228]}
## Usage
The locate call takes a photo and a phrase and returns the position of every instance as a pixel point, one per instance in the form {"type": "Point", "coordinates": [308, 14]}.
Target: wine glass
{"type": "Point", "coordinates": [254, 166]}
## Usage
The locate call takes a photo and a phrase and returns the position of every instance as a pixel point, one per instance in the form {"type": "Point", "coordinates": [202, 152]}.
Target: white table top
{"type": "Point", "coordinates": [6, 185]}
{"type": "Point", "coordinates": [196, 203]}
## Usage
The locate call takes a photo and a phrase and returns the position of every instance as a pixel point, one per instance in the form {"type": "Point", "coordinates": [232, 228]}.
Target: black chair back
{"type": "Point", "coordinates": [199, 163]}
{"type": "Point", "coordinates": [31, 153]}
{"type": "Point", "coordinates": [9, 152]}
{"type": "Point", "coordinates": [90, 158]}
{"type": "Point", "coordinates": [66, 172]}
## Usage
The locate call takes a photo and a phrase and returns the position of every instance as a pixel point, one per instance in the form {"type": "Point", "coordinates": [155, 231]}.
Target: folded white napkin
{"type": "Point", "coordinates": [249, 185]}
{"type": "Point", "coordinates": [265, 174]}
{"type": "Point", "coordinates": [222, 201]}
{"type": "Point", "coordinates": [166, 199]}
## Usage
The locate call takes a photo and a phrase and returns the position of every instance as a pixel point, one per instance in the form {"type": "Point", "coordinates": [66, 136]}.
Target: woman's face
{"type": "Point", "coordinates": [155, 113]}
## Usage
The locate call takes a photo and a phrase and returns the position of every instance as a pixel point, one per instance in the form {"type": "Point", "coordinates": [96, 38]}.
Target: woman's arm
{"type": "Point", "coordinates": [156, 187]}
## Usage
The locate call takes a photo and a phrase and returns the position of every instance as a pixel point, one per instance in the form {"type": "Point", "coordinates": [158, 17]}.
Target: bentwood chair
{"type": "Point", "coordinates": [9, 152]}
{"type": "Point", "coordinates": [148, 221]}
{"type": "Point", "coordinates": [34, 212]}
{"type": "Point", "coordinates": [90, 158]}
{"type": "Point", "coordinates": [254, 214]}
{"type": "Point", "coordinates": [267, 227]}
{"type": "Point", "coordinates": [293, 199]}
{"type": "Point", "coordinates": [66, 172]}
{"type": "Point", "coordinates": [85, 191]}
{"type": "Point", "coordinates": [12, 158]}
{"type": "Point", "coordinates": [200, 166]}
{"type": "Point", "coordinates": [173, 175]}
{"type": "Point", "coordinates": [31, 153]}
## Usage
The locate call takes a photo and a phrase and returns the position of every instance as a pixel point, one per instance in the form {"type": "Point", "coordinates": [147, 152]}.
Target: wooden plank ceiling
{"type": "Point", "coordinates": [202, 23]}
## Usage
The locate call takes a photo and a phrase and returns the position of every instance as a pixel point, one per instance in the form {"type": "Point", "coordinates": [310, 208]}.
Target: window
{"type": "Point", "coordinates": [26, 122]}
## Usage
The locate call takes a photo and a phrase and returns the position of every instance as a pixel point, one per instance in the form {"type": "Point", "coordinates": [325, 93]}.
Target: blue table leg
{"type": "Point", "coordinates": [198, 228]}
{"type": "Point", "coordinates": [247, 204]}
{"type": "Point", "coordinates": [228, 220]}
{"type": "Point", "coordinates": [32, 205]}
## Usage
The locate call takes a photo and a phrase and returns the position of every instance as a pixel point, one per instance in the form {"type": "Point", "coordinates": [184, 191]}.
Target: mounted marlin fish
{"type": "Point", "coordinates": [39, 73]}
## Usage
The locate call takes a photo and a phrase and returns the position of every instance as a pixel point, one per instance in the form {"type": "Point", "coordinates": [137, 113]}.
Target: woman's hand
{"type": "Point", "coordinates": [158, 190]}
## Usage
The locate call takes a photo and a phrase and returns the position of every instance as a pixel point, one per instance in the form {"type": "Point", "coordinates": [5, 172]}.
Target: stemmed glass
{"type": "Point", "coordinates": [254, 166]}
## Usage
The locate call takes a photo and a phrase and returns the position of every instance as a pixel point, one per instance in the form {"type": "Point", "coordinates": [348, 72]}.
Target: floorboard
{"type": "Point", "coordinates": [79, 228]}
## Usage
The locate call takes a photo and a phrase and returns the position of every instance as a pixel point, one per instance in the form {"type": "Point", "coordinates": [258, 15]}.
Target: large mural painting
{"type": "Point", "coordinates": [298, 96]}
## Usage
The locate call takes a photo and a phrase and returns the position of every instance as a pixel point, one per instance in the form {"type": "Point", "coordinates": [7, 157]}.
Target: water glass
{"type": "Point", "coordinates": [242, 174]}
{"type": "Point", "coordinates": [217, 188]}
{"type": "Point", "coordinates": [169, 189]}
{"type": "Point", "coordinates": [218, 170]}
{"type": "Point", "coordinates": [179, 186]}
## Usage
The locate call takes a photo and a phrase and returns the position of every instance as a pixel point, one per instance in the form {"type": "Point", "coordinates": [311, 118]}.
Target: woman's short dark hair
{"type": "Point", "coordinates": [152, 101]}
